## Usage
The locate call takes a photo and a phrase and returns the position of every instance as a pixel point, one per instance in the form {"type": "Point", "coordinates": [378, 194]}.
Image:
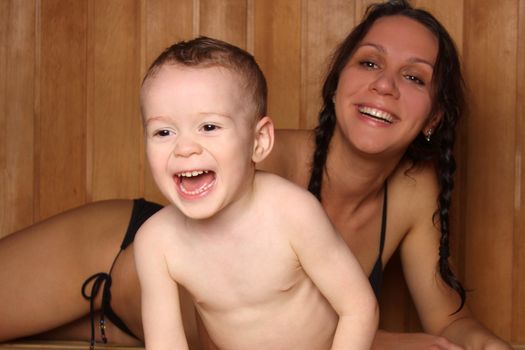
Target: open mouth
{"type": "Point", "coordinates": [376, 114]}
{"type": "Point", "coordinates": [195, 182]}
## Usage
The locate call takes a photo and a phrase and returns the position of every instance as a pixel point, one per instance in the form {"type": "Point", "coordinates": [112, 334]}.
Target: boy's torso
{"type": "Point", "coordinates": [248, 284]}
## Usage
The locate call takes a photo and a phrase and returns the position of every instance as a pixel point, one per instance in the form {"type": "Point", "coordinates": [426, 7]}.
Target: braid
{"type": "Point", "coordinates": [447, 167]}
{"type": "Point", "coordinates": [323, 135]}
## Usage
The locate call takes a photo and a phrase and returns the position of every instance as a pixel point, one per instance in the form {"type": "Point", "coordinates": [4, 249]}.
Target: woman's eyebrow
{"type": "Point", "coordinates": [382, 49]}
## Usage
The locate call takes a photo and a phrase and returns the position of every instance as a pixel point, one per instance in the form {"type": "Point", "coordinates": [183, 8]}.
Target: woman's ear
{"type": "Point", "coordinates": [431, 125]}
{"type": "Point", "coordinates": [263, 141]}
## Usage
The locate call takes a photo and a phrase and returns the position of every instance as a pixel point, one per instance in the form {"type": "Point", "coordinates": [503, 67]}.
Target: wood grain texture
{"type": "Point", "coordinates": [17, 64]}
{"type": "Point", "coordinates": [324, 25]}
{"type": "Point", "coordinates": [60, 130]}
{"type": "Point", "coordinates": [215, 14]}
{"type": "Point", "coordinates": [518, 264]}
{"type": "Point", "coordinates": [278, 52]}
{"type": "Point", "coordinates": [490, 66]}
{"type": "Point", "coordinates": [118, 164]}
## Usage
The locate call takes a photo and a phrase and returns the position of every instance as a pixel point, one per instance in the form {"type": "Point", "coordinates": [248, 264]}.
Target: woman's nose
{"type": "Point", "coordinates": [385, 84]}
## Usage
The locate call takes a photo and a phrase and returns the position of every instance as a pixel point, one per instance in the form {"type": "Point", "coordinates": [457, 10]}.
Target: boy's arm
{"type": "Point", "coordinates": [161, 314]}
{"type": "Point", "coordinates": [331, 265]}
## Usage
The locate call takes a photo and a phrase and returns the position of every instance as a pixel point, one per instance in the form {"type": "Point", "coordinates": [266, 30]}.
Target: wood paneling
{"type": "Point", "coordinates": [214, 14]}
{"type": "Point", "coordinates": [118, 164]}
{"type": "Point", "coordinates": [518, 245]}
{"type": "Point", "coordinates": [278, 51]}
{"type": "Point", "coordinates": [70, 128]}
{"type": "Point", "coordinates": [491, 145]}
{"type": "Point", "coordinates": [17, 82]}
{"type": "Point", "coordinates": [60, 124]}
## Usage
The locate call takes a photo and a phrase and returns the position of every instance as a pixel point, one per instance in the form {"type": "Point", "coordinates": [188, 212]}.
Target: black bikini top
{"type": "Point", "coordinates": [376, 275]}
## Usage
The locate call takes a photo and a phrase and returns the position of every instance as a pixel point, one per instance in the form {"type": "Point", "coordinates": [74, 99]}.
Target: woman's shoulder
{"type": "Point", "coordinates": [410, 176]}
{"type": "Point", "coordinates": [414, 187]}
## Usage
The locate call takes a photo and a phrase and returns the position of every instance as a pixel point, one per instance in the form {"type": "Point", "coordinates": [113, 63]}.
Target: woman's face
{"type": "Point", "coordinates": [384, 95]}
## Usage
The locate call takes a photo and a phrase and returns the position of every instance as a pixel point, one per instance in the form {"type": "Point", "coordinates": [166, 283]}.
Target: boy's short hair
{"type": "Point", "coordinates": [203, 52]}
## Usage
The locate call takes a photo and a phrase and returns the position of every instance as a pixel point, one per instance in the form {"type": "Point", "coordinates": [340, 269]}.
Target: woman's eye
{"type": "Point", "coordinates": [368, 64]}
{"type": "Point", "coordinates": [415, 79]}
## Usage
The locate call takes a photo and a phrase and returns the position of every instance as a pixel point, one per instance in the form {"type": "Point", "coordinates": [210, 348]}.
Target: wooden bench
{"type": "Point", "coordinates": [69, 345]}
{"type": "Point", "coordinates": [61, 345]}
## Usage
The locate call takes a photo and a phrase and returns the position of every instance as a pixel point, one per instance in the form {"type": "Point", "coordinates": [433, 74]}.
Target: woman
{"type": "Point", "coordinates": [382, 154]}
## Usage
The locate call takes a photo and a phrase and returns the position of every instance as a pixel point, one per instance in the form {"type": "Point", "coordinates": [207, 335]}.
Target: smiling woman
{"type": "Point", "coordinates": [73, 72]}
{"type": "Point", "coordinates": [399, 66]}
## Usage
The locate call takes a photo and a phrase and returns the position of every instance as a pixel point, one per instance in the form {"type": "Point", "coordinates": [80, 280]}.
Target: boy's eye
{"type": "Point", "coordinates": [162, 133]}
{"type": "Point", "coordinates": [209, 127]}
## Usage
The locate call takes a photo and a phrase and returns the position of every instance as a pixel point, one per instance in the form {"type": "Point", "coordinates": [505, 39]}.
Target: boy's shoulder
{"type": "Point", "coordinates": [163, 221]}
{"type": "Point", "coordinates": [285, 196]}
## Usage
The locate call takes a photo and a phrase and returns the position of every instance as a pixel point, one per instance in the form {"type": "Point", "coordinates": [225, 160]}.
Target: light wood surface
{"type": "Point", "coordinates": [61, 345]}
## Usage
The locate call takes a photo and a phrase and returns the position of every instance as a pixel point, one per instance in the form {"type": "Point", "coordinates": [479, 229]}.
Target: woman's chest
{"type": "Point", "coordinates": [364, 231]}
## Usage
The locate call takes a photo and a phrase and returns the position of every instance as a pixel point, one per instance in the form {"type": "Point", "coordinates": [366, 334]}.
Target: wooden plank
{"type": "Point", "coordinates": [490, 31]}
{"type": "Point", "coordinates": [17, 67]}
{"type": "Point", "coordinates": [4, 178]}
{"type": "Point", "coordinates": [61, 345]}
{"type": "Point", "coordinates": [518, 288]}
{"type": "Point", "coordinates": [278, 51]}
{"type": "Point", "coordinates": [225, 20]}
{"type": "Point", "coordinates": [61, 121]}
{"type": "Point", "coordinates": [324, 26]}
{"type": "Point", "coordinates": [118, 164]}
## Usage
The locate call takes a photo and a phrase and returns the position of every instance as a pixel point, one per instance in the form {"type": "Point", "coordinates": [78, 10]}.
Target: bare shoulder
{"type": "Point", "coordinates": [414, 187]}
{"type": "Point", "coordinates": [287, 199]}
{"type": "Point", "coordinates": [159, 227]}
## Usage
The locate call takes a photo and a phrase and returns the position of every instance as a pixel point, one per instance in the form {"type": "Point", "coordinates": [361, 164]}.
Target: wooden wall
{"type": "Point", "coordinates": [70, 129]}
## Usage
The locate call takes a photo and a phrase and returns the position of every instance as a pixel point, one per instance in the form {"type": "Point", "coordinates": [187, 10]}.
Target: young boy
{"type": "Point", "coordinates": [264, 266]}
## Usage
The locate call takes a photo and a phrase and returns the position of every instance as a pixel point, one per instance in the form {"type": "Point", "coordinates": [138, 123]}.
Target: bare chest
{"type": "Point", "coordinates": [229, 273]}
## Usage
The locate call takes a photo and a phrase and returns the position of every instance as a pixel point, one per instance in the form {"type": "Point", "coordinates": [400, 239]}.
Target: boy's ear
{"type": "Point", "coordinates": [263, 139]}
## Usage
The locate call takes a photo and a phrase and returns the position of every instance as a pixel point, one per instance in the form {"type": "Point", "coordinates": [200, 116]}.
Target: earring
{"type": "Point", "coordinates": [428, 134]}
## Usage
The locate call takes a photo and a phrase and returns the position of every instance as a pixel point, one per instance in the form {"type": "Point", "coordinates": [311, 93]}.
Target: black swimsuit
{"type": "Point", "coordinates": [376, 275]}
{"type": "Point", "coordinates": [142, 210]}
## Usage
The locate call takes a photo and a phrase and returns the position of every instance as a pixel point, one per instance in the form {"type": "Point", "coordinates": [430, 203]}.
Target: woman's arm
{"type": "Point", "coordinates": [435, 302]}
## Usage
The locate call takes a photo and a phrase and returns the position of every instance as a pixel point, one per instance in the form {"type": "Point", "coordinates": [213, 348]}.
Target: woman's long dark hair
{"type": "Point", "coordinates": [448, 99]}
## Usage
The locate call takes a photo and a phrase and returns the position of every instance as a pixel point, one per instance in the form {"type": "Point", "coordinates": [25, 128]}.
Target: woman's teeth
{"type": "Point", "coordinates": [377, 114]}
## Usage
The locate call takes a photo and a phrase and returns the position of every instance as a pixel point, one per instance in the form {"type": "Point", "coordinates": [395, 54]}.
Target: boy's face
{"type": "Point", "coordinates": [199, 137]}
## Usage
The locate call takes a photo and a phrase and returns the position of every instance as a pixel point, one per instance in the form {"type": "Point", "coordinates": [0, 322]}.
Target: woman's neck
{"type": "Point", "coordinates": [352, 178]}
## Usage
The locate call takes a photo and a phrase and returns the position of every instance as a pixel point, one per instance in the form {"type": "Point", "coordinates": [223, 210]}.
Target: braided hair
{"type": "Point", "coordinates": [448, 92]}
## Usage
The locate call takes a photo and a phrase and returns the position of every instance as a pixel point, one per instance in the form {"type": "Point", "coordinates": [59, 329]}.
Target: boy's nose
{"type": "Point", "coordinates": [186, 146]}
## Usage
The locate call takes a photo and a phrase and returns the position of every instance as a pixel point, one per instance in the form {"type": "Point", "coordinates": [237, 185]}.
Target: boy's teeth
{"type": "Point", "coordinates": [192, 173]}
{"type": "Point", "coordinates": [377, 113]}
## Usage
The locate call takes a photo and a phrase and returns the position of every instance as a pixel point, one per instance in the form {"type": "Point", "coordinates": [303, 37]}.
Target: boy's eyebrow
{"type": "Point", "coordinates": [151, 119]}
{"type": "Point", "coordinates": [381, 49]}
{"type": "Point", "coordinates": [148, 119]}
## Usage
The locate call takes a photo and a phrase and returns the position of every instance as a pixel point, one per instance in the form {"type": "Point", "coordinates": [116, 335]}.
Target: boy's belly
{"type": "Point", "coordinates": [299, 318]}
